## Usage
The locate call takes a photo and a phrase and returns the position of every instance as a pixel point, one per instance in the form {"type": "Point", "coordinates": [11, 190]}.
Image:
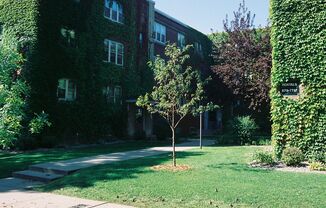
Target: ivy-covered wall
{"type": "Point", "coordinates": [299, 45]}
{"type": "Point", "coordinates": [20, 18]}
{"type": "Point", "coordinates": [50, 59]}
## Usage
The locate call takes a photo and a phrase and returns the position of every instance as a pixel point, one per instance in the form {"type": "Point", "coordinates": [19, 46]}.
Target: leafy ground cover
{"type": "Point", "coordinates": [219, 177]}
{"type": "Point", "coordinates": [11, 162]}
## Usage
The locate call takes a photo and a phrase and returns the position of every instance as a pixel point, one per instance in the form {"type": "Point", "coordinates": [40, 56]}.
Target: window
{"type": "Point", "coordinates": [159, 33]}
{"type": "Point", "coordinates": [181, 40]}
{"type": "Point", "coordinates": [198, 48]}
{"type": "Point", "coordinates": [69, 36]}
{"type": "Point", "coordinates": [113, 94]}
{"type": "Point", "coordinates": [113, 11]}
{"type": "Point", "coordinates": [117, 94]}
{"type": "Point", "coordinates": [114, 52]}
{"type": "Point", "coordinates": [140, 40]}
{"type": "Point", "coordinates": [66, 90]}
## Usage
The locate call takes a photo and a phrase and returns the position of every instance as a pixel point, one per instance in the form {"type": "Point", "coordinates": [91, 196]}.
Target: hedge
{"type": "Point", "coordinates": [299, 45]}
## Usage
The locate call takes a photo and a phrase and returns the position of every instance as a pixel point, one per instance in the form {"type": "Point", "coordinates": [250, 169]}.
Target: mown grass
{"type": "Point", "coordinates": [11, 162]}
{"type": "Point", "coordinates": [220, 177]}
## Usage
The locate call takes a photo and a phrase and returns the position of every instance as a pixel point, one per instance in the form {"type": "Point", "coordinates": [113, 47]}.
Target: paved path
{"type": "Point", "coordinates": [28, 199]}
{"type": "Point", "coordinates": [68, 166]}
{"type": "Point", "coordinates": [14, 192]}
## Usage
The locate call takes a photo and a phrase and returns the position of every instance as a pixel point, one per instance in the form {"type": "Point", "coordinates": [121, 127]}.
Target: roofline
{"type": "Point", "coordinates": [172, 18]}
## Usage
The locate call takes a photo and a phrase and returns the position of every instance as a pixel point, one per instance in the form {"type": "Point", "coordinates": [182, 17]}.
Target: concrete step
{"type": "Point", "coordinates": [44, 168]}
{"type": "Point", "coordinates": [36, 176]}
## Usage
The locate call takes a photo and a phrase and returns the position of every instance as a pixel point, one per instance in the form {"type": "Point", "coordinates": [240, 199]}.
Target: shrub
{"type": "Point", "coordinates": [264, 142]}
{"type": "Point", "coordinates": [13, 89]}
{"type": "Point", "coordinates": [244, 128]}
{"type": "Point", "coordinates": [318, 156]}
{"type": "Point", "coordinates": [317, 166]}
{"type": "Point", "coordinates": [292, 156]}
{"type": "Point", "coordinates": [38, 123]}
{"type": "Point", "coordinates": [264, 157]}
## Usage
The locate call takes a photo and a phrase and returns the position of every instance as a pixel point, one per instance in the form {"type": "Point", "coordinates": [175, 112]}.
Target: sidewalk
{"type": "Point", "coordinates": [14, 192]}
{"type": "Point", "coordinates": [28, 199]}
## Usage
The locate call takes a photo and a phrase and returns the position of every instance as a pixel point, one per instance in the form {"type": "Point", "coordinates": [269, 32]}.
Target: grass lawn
{"type": "Point", "coordinates": [10, 162]}
{"type": "Point", "coordinates": [219, 178]}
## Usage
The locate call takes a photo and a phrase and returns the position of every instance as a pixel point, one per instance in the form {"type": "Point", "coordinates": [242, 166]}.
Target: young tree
{"type": "Point", "coordinates": [178, 90]}
{"type": "Point", "coordinates": [242, 58]}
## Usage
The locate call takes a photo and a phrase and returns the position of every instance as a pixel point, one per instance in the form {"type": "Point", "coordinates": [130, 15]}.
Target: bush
{"type": "Point", "coordinates": [264, 157]}
{"type": "Point", "coordinates": [318, 156]}
{"type": "Point", "coordinates": [12, 93]}
{"type": "Point", "coordinates": [38, 123]}
{"type": "Point", "coordinates": [264, 142]}
{"type": "Point", "coordinates": [317, 166]}
{"type": "Point", "coordinates": [244, 128]}
{"type": "Point", "coordinates": [292, 156]}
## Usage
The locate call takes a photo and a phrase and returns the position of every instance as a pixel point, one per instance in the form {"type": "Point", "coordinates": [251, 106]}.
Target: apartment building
{"type": "Point", "coordinates": [87, 61]}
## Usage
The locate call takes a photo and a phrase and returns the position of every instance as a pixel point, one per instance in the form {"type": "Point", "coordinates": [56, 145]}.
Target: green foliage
{"type": "Point", "coordinates": [244, 128]}
{"type": "Point", "coordinates": [318, 166]}
{"type": "Point", "coordinates": [18, 38]}
{"type": "Point", "coordinates": [12, 93]}
{"type": "Point", "coordinates": [38, 123]}
{"type": "Point", "coordinates": [37, 25]}
{"type": "Point", "coordinates": [299, 45]}
{"type": "Point", "coordinates": [264, 157]}
{"type": "Point", "coordinates": [318, 157]}
{"type": "Point", "coordinates": [178, 89]}
{"type": "Point", "coordinates": [292, 156]}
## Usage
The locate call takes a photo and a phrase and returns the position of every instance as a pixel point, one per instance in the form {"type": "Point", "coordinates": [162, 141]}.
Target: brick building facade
{"type": "Point", "coordinates": [88, 62]}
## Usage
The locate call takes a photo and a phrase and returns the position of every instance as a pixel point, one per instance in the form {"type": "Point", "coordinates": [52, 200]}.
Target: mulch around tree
{"type": "Point", "coordinates": [171, 168]}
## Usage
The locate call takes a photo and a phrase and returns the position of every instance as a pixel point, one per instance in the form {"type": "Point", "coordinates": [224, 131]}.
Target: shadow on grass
{"type": "Point", "coordinates": [125, 170]}
{"type": "Point", "coordinates": [11, 162]}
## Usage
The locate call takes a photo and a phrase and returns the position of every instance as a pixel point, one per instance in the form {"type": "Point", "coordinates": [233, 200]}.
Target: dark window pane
{"type": "Point", "coordinates": [120, 60]}
{"type": "Point", "coordinates": [114, 15]}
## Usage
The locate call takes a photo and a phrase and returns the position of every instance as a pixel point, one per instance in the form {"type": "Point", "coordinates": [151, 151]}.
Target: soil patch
{"type": "Point", "coordinates": [303, 168]}
{"type": "Point", "coordinates": [171, 168]}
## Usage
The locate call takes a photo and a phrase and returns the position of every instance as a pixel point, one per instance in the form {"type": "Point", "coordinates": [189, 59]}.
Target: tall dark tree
{"type": "Point", "coordinates": [242, 58]}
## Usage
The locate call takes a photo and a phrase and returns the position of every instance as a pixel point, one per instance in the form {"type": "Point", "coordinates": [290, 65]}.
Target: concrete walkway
{"type": "Point", "coordinates": [28, 199]}
{"type": "Point", "coordinates": [14, 192]}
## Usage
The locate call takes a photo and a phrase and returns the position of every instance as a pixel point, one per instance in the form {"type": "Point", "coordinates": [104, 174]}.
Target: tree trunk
{"type": "Point", "coordinates": [173, 146]}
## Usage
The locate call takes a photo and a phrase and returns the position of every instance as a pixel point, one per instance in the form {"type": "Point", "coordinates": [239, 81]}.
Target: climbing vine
{"type": "Point", "coordinates": [38, 25]}
{"type": "Point", "coordinates": [299, 45]}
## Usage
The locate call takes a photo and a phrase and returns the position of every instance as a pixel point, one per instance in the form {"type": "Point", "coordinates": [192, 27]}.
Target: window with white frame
{"type": "Point", "coordinates": [69, 36]}
{"type": "Point", "coordinates": [181, 40]}
{"type": "Point", "coordinates": [114, 52]}
{"type": "Point", "coordinates": [113, 11]}
{"type": "Point", "coordinates": [113, 94]}
{"type": "Point", "coordinates": [159, 33]}
{"type": "Point", "coordinates": [67, 90]}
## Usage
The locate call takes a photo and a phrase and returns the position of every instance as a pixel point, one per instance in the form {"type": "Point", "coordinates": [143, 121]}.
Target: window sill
{"type": "Point", "coordinates": [107, 62]}
{"type": "Point", "coordinates": [114, 21]}
{"type": "Point", "coordinates": [159, 42]}
{"type": "Point", "coordinates": [65, 101]}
